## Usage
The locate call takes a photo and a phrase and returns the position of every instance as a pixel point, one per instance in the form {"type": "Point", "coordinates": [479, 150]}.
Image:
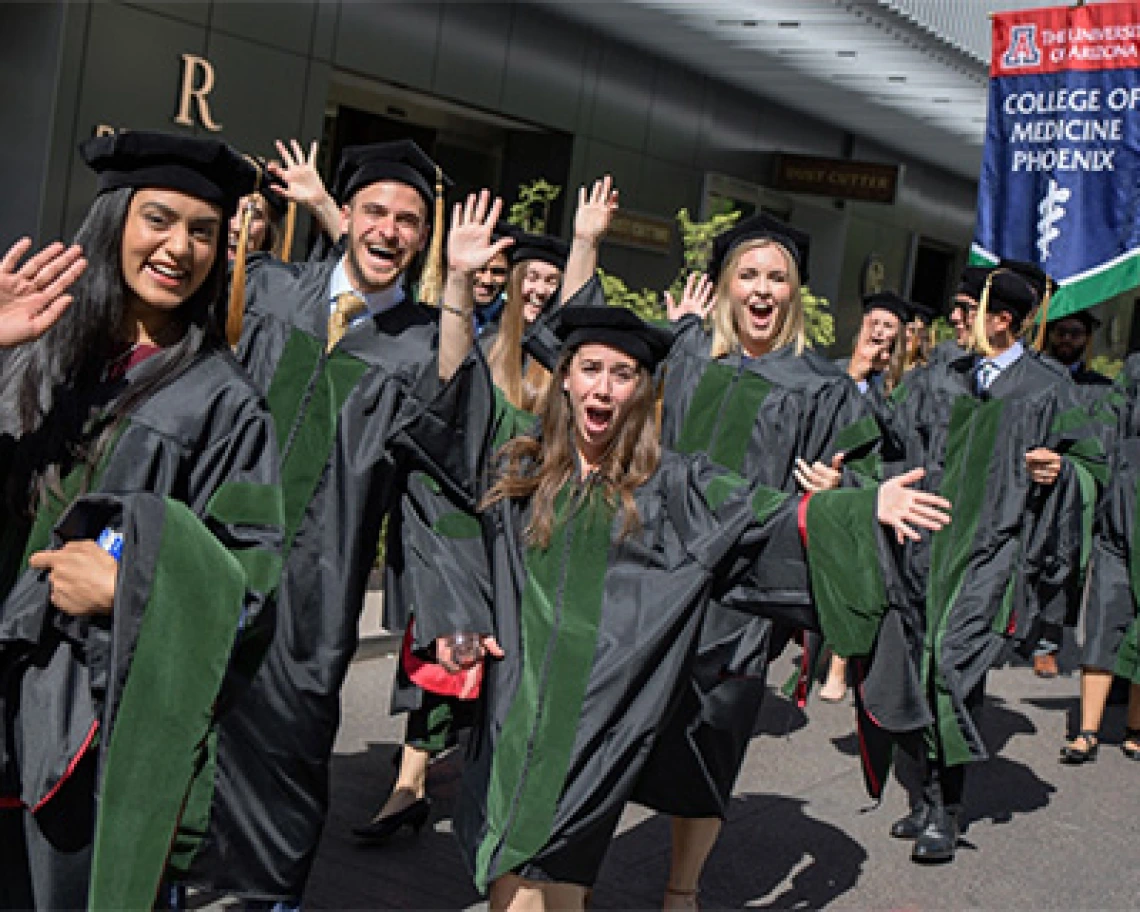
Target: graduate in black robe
{"type": "Point", "coordinates": [335, 345]}
{"type": "Point", "coordinates": [758, 401]}
{"type": "Point", "coordinates": [878, 359]}
{"type": "Point", "coordinates": [1111, 629]}
{"type": "Point", "coordinates": [533, 292]}
{"type": "Point", "coordinates": [1004, 436]}
{"type": "Point", "coordinates": [141, 519]}
{"type": "Point", "coordinates": [1067, 341]}
{"type": "Point", "coordinates": [605, 552]}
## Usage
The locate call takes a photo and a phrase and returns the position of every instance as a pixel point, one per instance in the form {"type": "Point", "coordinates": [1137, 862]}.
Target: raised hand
{"type": "Point", "coordinates": [596, 209]}
{"type": "Point", "coordinates": [817, 476]}
{"type": "Point", "coordinates": [469, 247]}
{"type": "Point", "coordinates": [469, 243]}
{"type": "Point", "coordinates": [905, 510]}
{"type": "Point", "coordinates": [698, 298]}
{"type": "Point", "coordinates": [34, 295]}
{"type": "Point", "coordinates": [296, 177]}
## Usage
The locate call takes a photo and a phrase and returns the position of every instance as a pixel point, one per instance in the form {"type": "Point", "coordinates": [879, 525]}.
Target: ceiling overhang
{"type": "Point", "coordinates": [909, 75]}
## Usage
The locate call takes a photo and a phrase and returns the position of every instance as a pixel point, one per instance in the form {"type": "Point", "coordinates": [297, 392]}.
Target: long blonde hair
{"type": "Point", "coordinates": [541, 466]}
{"type": "Point", "coordinates": [523, 388]}
{"type": "Point", "coordinates": [726, 339]}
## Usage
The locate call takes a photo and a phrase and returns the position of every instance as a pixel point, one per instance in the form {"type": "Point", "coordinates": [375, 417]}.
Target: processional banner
{"type": "Point", "coordinates": [1060, 181]}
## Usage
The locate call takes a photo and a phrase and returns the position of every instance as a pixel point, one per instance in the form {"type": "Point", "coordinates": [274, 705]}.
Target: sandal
{"type": "Point", "coordinates": [688, 898]}
{"type": "Point", "coordinates": [1131, 751]}
{"type": "Point", "coordinates": [1075, 756]}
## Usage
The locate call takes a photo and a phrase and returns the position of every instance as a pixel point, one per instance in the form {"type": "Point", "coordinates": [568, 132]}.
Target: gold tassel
{"type": "Point", "coordinates": [235, 313]}
{"type": "Point", "coordinates": [290, 228]}
{"type": "Point", "coordinates": [431, 281]}
{"type": "Point", "coordinates": [1043, 311]}
{"type": "Point", "coordinates": [659, 404]}
{"type": "Point", "coordinates": [981, 339]}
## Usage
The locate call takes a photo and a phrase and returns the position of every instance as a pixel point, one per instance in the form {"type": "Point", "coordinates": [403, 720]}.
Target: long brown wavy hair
{"type": "Point", "coordinates": [540, 466]}
{"type": "Point", "coordinates": [524, 387]}
{"type": "Point", "coordinates": [920, 357]}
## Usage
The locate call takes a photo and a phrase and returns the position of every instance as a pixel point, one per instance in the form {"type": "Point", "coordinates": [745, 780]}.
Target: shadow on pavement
{"type": "Point", "coordinates": [423, 871]}
{"type": "Point", "coordinates": [779, 716]}
{"type": "Point", "coordinates": [770, 855]}
{"type": "Point", "coordinates": [996, 789]}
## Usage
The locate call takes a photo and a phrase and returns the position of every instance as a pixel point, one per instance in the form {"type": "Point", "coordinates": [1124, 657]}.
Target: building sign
{"type": "Point", "coordinates": [1060, 184]}
{"type": "Point", "coordinates": [193, 96]}
{"type": "Point", "coordinates": [646, 232]}
{"type": "Point", "coordinates": [197, 83]}
{"type": "Point", "coordinates": [868, 182]}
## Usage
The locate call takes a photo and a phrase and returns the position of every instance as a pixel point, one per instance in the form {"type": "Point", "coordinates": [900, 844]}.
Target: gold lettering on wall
{"type": "Point", "coordinates": [197, 83]}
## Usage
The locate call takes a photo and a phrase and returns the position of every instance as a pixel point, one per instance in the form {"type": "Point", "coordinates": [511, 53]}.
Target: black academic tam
{"type": "Point", "coordinates": [205, 168]}
{"type": "Point", "coordinates": [616, 327]}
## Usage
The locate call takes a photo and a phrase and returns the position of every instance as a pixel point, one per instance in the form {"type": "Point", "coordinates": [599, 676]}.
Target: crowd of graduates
{"type": "Point", "coordinates": [600, 532]}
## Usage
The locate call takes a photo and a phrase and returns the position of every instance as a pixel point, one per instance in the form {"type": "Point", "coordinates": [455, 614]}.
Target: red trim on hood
{"type": "Point", "coordinates": [79, 755]}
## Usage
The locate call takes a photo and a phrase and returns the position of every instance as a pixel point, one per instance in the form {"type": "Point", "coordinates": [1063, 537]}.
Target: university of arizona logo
{"type": "Point", "coordinates": [1022, 51]}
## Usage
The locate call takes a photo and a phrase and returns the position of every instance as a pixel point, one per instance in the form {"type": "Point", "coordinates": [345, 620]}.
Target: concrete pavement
{"type": "Point", "coordinates": [801, 833]}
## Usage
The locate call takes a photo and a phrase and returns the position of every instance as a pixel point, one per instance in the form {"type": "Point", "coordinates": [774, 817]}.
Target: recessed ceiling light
{"type": "Point", "coordinates": [896, 79]}
{"type": "Point", "coordinates": [788, 24]}
{"type": "Point", "coordinates": [846, 53]}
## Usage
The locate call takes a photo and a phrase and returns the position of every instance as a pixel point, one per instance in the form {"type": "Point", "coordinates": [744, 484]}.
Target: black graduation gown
{"type": "Point", "coordinates": [755, 417]}
{"type": "Point", "coordinates": [333, 415]}
{"type": "Point", "coordinates": [944, 352]}
{"type": "Point", "coordinates": [600, 632]}
{"type": "Point", "coordinates": [96, 712]}
{"type": "Point", "coordinates": [1009, 558]}
{"type": "Point", "coordinates": [1112, 633]}
{"type": "Point", "coordinates": [1085, 376]}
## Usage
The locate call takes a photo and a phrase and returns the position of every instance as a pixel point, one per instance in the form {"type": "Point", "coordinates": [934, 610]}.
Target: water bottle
{"type": "Point", "coordinates": [466, 648]}
{"type": "Point", "coordinates": [111, 541]}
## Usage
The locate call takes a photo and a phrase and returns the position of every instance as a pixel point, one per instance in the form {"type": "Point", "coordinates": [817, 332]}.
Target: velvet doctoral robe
{"type": "Point", "coordinates": [110, 722]}
{"type": "Point", "coordinates": [1011, 558]}
{"type": "Point", "coordinates": [601, 630]}
{"type": "Point", "coordinates": [333, 414]}
{"type": "Point", "coordinates": [754, 417]}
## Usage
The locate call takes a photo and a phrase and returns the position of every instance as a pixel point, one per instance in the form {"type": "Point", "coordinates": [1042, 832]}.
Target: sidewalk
{"type": "Point", "coordinates": [801, 833]}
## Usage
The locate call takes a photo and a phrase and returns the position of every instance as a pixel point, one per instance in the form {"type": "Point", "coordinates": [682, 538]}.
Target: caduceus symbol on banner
{"type": "Point", "coordinates": [1051, 211]}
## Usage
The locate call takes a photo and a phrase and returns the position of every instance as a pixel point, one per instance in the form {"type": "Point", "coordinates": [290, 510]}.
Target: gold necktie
{"type": "Point", "coordinates": [347, 308]}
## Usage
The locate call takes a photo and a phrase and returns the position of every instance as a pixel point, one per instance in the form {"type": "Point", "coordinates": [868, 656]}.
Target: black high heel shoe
{"type": "Point", "coordinates": [415, 815]}
{"type": "Point", "coordinates": [1075, 756]}
{"type": "Point", "coordinates": [1131, 734]}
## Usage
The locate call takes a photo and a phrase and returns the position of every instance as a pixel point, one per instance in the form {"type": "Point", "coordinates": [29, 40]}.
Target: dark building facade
{"type": "Point", "coordinates": [501, 93]}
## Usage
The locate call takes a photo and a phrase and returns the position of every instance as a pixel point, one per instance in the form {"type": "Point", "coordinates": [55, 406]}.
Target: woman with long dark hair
{"type": "Point", "coordinates": [606, 551]}
{"type": "Point", "coordinates": [140, 531]}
